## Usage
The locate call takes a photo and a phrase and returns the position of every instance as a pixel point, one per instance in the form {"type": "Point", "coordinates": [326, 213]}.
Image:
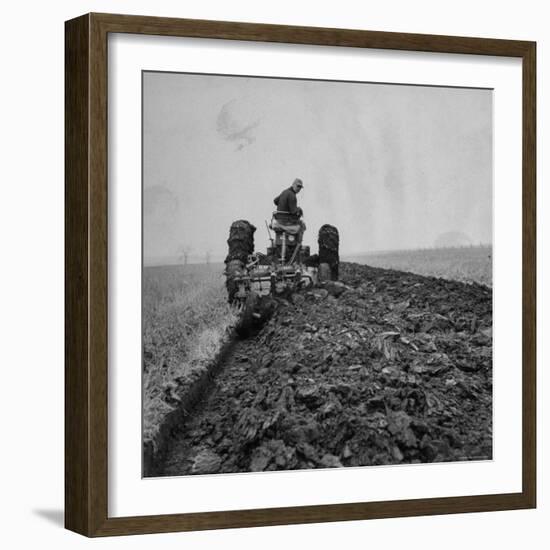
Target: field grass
{"type": "Point", "coordinates": [466, 264]}
{"type": "Point", "coordinates": [186, 318]}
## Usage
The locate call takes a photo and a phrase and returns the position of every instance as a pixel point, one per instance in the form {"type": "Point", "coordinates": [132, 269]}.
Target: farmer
{"type": "Point", "coordinates": [288, 211]}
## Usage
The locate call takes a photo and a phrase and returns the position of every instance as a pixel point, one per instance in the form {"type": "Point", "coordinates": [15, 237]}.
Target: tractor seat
{"type": "Point", "coordinates": [278, 227]}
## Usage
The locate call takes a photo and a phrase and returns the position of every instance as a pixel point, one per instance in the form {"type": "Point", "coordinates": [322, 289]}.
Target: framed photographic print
{"type": "Point", "coordinates": [300, 274]}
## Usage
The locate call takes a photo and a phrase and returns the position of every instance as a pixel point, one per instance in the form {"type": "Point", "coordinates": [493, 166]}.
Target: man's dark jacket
{"type": "Point", "coordinates": [286, 202]}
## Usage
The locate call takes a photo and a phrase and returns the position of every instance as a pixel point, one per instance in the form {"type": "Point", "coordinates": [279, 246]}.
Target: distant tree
{"type": "Point", "coordinates": [183, 253]}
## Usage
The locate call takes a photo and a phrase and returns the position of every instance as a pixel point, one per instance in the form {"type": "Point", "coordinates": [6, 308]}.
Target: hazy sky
{"type": "Point", "coordinates": [393, 167]}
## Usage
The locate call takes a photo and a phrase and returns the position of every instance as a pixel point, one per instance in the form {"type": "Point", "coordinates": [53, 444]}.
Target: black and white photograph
{"type": "Point", "coordinates": [316, 274]}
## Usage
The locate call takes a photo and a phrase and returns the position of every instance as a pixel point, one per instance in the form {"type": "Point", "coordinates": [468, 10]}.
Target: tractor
{"type": "Point", "coordinates": [253, 279]}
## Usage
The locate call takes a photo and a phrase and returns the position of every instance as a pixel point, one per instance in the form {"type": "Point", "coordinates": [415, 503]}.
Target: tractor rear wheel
{"type": "Point", "coordinates": [233, 270]}
{"type": "Point", "coordinates": [240, 245]}
{"type": "Point", "coordinates": [328, 249]}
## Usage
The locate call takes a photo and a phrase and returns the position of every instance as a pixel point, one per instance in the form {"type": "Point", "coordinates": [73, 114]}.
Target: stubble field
{"type": "Point", "coordinates": [185, 320]}
{"type": "Point", "coordinates": [469, 264]}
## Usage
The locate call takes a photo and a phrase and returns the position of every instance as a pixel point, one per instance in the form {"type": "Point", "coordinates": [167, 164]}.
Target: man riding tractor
{"type": "Point", "coordinates": [288, 215]}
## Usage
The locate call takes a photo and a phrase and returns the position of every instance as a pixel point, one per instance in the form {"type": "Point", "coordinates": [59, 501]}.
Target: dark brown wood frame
{"type": "Point", "coordinates": [86, 274]}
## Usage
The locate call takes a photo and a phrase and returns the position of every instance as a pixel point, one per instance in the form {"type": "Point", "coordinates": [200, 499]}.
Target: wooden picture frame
{"type": "Point", "coordinates": [86, 282]}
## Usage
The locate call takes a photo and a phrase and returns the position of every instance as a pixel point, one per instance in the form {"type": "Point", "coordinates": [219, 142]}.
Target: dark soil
{"type": "Point", "coordinates": [384, 367]}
